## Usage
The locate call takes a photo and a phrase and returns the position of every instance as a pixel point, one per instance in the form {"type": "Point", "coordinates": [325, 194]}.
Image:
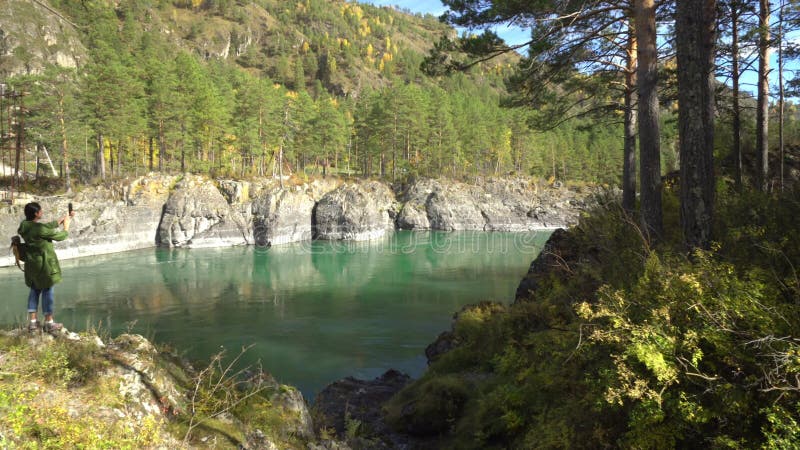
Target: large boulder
{"type": "Point", "coordinates": [352, 409]}
{"type": "Point", "coordinates": [413, 215]}
{"type": "Point", "coordinates": [384, 198]}
{"type": "Point", "coordinates": [488, 205]}
{"type": "Point", "coordinates": [282, 216]}
{"type": "Point", "coordinates": [554, 260]}
{"type": "Point", "coordinates": [197, 215]}
{"type": "Point", "coordinates": [505, 205]}
{"type": "Point", "coordinates": [235, 192]}
{"type": "Point", "coordinates": [350, 212]}
{"type": "Point", "coordinates": [454, 208]}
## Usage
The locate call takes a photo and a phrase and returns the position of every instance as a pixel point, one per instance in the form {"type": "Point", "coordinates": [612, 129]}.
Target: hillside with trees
{"type": "Point", "coordinates": [269, 88]}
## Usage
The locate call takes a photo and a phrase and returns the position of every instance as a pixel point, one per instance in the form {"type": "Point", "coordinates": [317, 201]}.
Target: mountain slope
{"type": "Point", "coordinates": [345, 46]}
{"type": "Point", "coordinates": [32, 35]}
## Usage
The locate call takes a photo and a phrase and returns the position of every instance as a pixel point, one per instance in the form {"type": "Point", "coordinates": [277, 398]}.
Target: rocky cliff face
{"type": "Point", "coordinates": [493, 205]}
{"type": "Point", "coordinates": [191, 211]}
{"type": "Point", "coordinates": [351, 212]}
{"type": "Point", "coordinates": [106, 220]}
{"type": "Point", "coordinates": [282, 216]}
{"type": "Point", "coordinates": [33, 37]}
{"type": "Point", "coordinates": [198, 215]}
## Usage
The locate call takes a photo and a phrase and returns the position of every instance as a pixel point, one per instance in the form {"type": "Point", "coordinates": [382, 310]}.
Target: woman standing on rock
{"type": "Point", "coordinates": [42, 270]}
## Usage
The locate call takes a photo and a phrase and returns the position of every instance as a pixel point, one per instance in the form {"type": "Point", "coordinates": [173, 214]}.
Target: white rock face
{"type": "Point", "coordinates": [197, 215]}
{"type": "Point", "coordinates": [282, 217]}
{"type": "Point", "coordinates": [191, 211]}
{"type": "Point", "coordinates": [350, 212]}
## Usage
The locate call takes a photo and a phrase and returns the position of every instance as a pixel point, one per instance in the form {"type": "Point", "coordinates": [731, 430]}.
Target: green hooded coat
{"type": "Point", "coordinates": [41, 264]}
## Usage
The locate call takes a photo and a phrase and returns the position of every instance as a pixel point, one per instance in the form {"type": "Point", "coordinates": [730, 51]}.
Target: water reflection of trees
{"type": "Point", "coordinates": [350, 307]}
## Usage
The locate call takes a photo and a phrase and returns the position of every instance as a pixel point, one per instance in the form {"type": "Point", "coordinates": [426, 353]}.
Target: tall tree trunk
{"type": "Point", "coordinates": [162, 145]}
{"type": "Point", "coordinates": [781, 92]}
{"type": "Point", "coordinates": [120, 151]}
{"type": "Point", "coordinates": [150, 156]}
{"type": "Point", "coordinates": [736, 13]}
{"type": "Point", "coordinates": [101, 156]}
{"type": "Point", "coordinates": [49, 160]}
{"type": "Point", "coordinates": [629, 156]}
{"type": "Point", "coordinates": [160, 156]}
{"type": "Point", "coordinates": [762, 110]}
{"type": "Point", "coordinates": [19, 140]}
{"type": "Point", "coordinates": [183, 148]}
{"type": "Point", "coordinates": [2, 133]}
{"type": "Point", "coordinates": [111, 157]}
{"type": "Point", "coordinates": [649, 133]}
{"type": "Point", "coordinates": [280, 165]}
{"type": "Point", "coordinates": [64, 153]}
{"type": "Point", "coordinates": [394, 148]}
{"type": "Point", "coordinates": [695, 22]}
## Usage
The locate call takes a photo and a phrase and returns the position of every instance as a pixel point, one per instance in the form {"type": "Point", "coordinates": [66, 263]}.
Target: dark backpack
{"type": "Point", "coordinates": [19, 249]}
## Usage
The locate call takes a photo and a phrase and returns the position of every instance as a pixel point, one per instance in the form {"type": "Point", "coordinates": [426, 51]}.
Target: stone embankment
{"type": "Point", "coordinates": [192, 211]}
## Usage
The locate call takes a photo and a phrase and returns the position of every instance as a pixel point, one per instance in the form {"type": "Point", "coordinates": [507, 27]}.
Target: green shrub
{"type": "Point", "coordinates": [627, 343]}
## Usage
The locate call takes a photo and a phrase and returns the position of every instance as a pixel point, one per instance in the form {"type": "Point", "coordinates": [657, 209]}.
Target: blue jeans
{"type": "Point", "coordinates": [47, 300]}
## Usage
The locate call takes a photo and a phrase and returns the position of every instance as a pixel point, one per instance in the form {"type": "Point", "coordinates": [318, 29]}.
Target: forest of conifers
{"type": "Point", "coordinates": [347, 100]}
{"type": "Point", "coordinates": [328, 86]}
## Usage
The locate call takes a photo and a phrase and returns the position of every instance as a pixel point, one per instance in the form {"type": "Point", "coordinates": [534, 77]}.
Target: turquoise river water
{"type": "Point", "coordinates": [314, 312]}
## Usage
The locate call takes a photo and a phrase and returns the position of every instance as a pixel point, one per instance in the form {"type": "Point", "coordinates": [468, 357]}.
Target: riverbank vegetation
{"type": "Point", "coordinates": [629, 343]}
{"type": "Point", "coordinates": [670, 322]}
{"type": "Point", "coordinates": [84, 391]}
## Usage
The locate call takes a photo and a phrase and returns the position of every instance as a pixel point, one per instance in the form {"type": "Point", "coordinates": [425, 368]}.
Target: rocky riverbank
{"type": "Point", "coordinates": [67, 390]}
{"type": "Point", "coordinates": [379, 414]}
{"type": "Point", "coordinates": [192, 211]}
{"type": "Point", "coordinates": [127, 392]}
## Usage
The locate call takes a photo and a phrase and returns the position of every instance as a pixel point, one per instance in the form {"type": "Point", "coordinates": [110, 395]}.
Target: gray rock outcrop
{"type": "Point", "coordinates": [454, 208]}
{"type": "Point", "coordinates": [352, 401]}
{"type": "Point", "coordinates": [191, 211]}
{"type": "Point", "coordinates": [350, 212]}
{"type": "Point", "coordinates": [490, 205]}
{"type": "Point", "coordinates": [33, 37]}
{"type": "Point", "coordinates": [145, 389]}
{"type": "Point", "coordinates": [106, 220]}
{"type": "Point", "coordinates": [197, 215]}
{"type": "Point", "coordinates": [282, 216]}
{"type": "Point", "coordinates": [414, 215]}
{"type": "Point", "coordinates": [235, 192]}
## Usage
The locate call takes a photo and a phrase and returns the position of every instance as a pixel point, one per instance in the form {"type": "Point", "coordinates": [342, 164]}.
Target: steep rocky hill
{"type": "Point", "coordinates": [344, 46]}
{"type": "Point", "coordinates": [32, 35]}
